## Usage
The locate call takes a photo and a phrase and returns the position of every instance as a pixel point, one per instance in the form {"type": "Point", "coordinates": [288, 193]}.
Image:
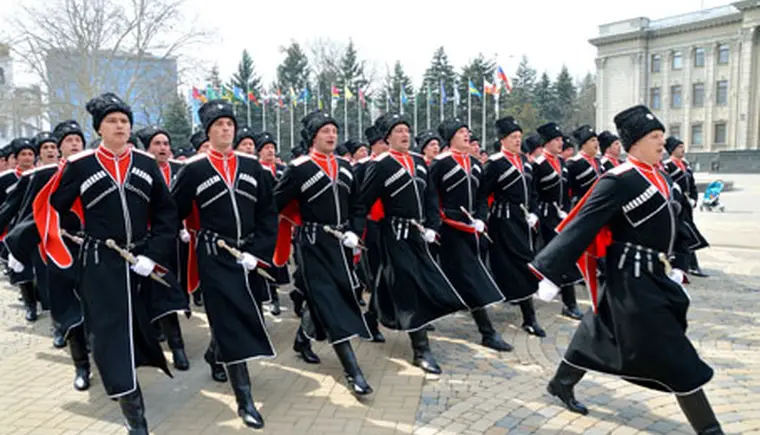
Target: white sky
{"type": "Point", "coordinates": [550, 33]}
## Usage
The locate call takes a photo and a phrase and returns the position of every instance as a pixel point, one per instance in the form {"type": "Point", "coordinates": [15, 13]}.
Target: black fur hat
{"type": "Point", "coordinates": [147, 134]}
{"type": "Point", "coordinates": [213, 110]}
{"type": "Point", "coordinates": [100, 106]}
{"type": "Point", "coordinates": [66, 128]}
{"type": "Point", "coordinates": [634, 123]}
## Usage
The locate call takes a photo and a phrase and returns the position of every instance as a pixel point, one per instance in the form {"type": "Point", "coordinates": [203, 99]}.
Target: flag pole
{"type": "Point", "coordinates": [401, 98]}
{"type": "Point", "coordinates": [278, 119]}
{"type": "Point", "coordinates": [345, 113]}
{"type": "Point", "coordinates": [485, 97]}
{"type": "Point", "coordinates": [415, 112]}
{"type": "Point", "coordinates": [263, 113]}
{"type": "Point", "coordinates": [428, 106]}
{"type": "Point", "coordinates": [443, 89]}
{"type": "Point", "coordinates": [292, 109]}
{"type": "Point", "coordinates": [248, 103]}
{"type": "Point", "coordinates": [359, 113]}
{"type": "Point", "coordinates": [469, 102]}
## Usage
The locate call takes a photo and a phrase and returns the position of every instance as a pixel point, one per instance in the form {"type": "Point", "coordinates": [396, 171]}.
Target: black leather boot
{"type": "Point", "coordinates": [530, 323]}
{"type": "Point", "coordinates": [371, 318]}
{"type": "Point", "coordinates": [217, 370]}
{"type": "Point", "coordinates": [275, 298]}
{"type": "Point", "coordinates": [569, 303]}
{"type": "Point", "coordinates": [354, 376]}
{"type": "Point", "coordinates": [170, 326]}
{"type": "Point", "coordinates": [360, 296]}
{"type": "Point", "coordinates": [30, 300]}
{"type": "Point", "coordinates": [302, 346]}
{"type": "Point", "coordinates": [491, 339]}
{"type": "Point", "coordinates": [423, 357]}
{"type": "Point", "coordinates": [160, 335]}
{"type": "Point", "coordinates": [59, 340]}
{"type": "Point", "coordinates": [694, 268]}
{"type": "Point", "coordinates": [698, 411]}
{"type": "Point", "coordinates": [562, 384]}
{"type": "Point", "coordinates": [241, 385]}
{"type": "Point", "coordinates": [133, 409]}
{"type": "Point", "coordinates": [78, 349]}
{"type": "Point", "coordinates": [298, 301]}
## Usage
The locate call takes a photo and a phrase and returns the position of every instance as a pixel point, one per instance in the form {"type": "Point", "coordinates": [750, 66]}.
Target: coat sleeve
{"type": "Point", "coordinates": [489, 180]}
{"type": "Point", "coordinates": [481, 201]}
{"type": "Point", "coordinates": [265, 221]}
{"type": "Point", "coordinates": [566, 247]}
{"type": "Point", "coordinates": [12, 205]}
{"type": "Point", "coordinates": [568, 189]}
{"type": "Point", "coordinates": [432, 200]}
{"type": "Point", "coordinates": [163, 219]}
{"type": "Point", "coordinates": [68, 189]}
{"type": "Point", "coordinates": [23, 239]}
{"type": "Point", "coordinates": [183, 193]}
{"type": "Point", "coordinates": [286, 189]}
{"type": "Point", "coordinates": [369, 192]}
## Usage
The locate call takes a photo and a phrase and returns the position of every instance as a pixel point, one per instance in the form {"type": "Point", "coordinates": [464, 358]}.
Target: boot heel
{"type": "Point", "coordinates": [241, 385]}
{"type": "Point", "coordinates": [354, 376]}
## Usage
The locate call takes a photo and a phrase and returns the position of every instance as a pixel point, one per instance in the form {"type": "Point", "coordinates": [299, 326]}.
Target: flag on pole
{"type": "Point", "coordinates": [404, 98]}
{"type": "Point", "coordinates": [505, 79]}
{"type": "Point", "coordinates": [252, 99]}
{"type": "Point", "coordinates": [239, 95]}
{"type": "Point", "coordinates": [303, 97]}
{"type": "Point", "coordinates": [457, 98]}
{"type": "Point", "coordinates": [293, 97]}
{"type": "Point", "coordinates": [279, 98]}
{"type": "Point", "coordinates": [489, 88]}
{"type": "Point", "coordinates": [362, 98]}
{"type": "Point", "coordinates": [347, 92]}
{"type": "Point", "coordinates": [211, 93]}
{"type": "Point", "coordinates": [473, 90]}
{"type": "Point", "coordinates": [444, 100]}
{"type": "Point", "coordinates": [335, 93]}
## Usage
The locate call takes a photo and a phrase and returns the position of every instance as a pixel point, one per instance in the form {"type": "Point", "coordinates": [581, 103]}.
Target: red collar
{"type": "Point", "coordinates": [18, 171]}
{"type": "Point", "coordinates": [553, 161]}
{"type": "Point", "coordinates": [513, 158]}
{"type": "Point", "coordinates": [221, 156]}
{"type": "Point", "coordinates": [105, 152]}
{"type": "Point", "coordinates": [320, 156]}
{"type": "Point", "coordinates": [614, 160]}
{"type": "Point", "coordinates": [591, 160]}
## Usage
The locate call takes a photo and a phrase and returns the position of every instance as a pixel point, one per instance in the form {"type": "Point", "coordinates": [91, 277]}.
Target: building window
{"type": "Point", "coordinates": [698, 95]}
{"type": "Point", "coordinates": [675, 97]}
{"type": "Point", "coordinates": [696, 135]}
{"type": "Point", "coordinates": [720, 133]}
{"type": "Point", "coordinates": [721, 96]}
{"type": "Point", "coordinates": [723, 54]}
{"type": "Point", "coordinates": [655, 98]}
{"type": "Point", "coordinates": [2, 76]}
{"type": "Point", "coordinates": [699, 57]}
{"type": "Point", "coordinates": [675, 130]}
{"type": "Point", "coordinates": [677, 60]}
{"type": "Point", "coordinates": [656, 63]}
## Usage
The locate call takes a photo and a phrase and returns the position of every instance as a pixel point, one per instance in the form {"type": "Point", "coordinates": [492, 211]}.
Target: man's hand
{"type": "Point", "coordinates": [248, 261]}
{"type": "Point", "coordinates": [144, 266]}
{"type": "Point", "coordinates": [350, 240]}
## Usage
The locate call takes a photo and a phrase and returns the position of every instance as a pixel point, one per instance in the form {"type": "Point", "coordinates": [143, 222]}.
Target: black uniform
{"type": "Point", "coordinates": [582, 172]}
{"type": "Point", "coordinates": [681, 173]}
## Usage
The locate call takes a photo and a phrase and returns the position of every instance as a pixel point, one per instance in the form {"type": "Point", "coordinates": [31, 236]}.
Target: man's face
{"type": "Point", "coordinates": [221, 133]}
{"type": "Point", "coordinates": [679, 152]}
{"type": "Point", "coordinates": [512, 142]}
{"type": "Point", "coordinates": [568, 152]}
{"type": "Point", "coordinates": [160, 149]}
{"type": "Point", "coordinates": [432, 149]}
{"type": "Point", "coordinates": [247, 146]}
{"type": "Point", "coordinates": [267, 153]}
{"type": "Point", "coordinates": [460, 142]}
{"type": "Point", "coordinates": [615, 149]}
{"type": "Point", "coordinates": [537, 152]}
{"type": "Point", "coordinates": [25, 159]}
{"type": "Point", "coordinates": [379, 147]}
{"type": "Point", "coordinates": [3, 163]}
{"type": "Point", "coordinates": [70, 145]}
{"type": "Point", "coordinates": [399, 138]}
{"type": "Point", "coordinates": [11, 161]}
{"type": "Point", "coordinates": [591, 147]}
{"type": "Point", "coordinates": [48, 153]}
{"type": "Point", "coordinates": [554, 146]}
{"type": "Point", "coordinates": [115, 130]}
{"type": "Point", "coordinates": [361, 153]}
{"type": "Point", "coordinates": [649, 148]}
{"type": "Point", "coordinates": [326, 139]}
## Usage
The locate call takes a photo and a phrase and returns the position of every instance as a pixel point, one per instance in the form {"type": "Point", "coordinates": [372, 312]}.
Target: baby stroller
{"type": "Point", "coordinates": [711, 199]}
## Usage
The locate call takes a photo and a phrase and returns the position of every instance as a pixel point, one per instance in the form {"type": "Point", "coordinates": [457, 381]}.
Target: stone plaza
{"type": "Point", "coordinates": [480, 392]}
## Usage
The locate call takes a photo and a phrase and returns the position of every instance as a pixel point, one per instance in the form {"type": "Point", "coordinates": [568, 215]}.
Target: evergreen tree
{"type": "Point", "coordinates": [522, 95]}
{"type": "Point", "coordinates": [440, 72]}
{"type": "Point", "coordinates": [478, 70]}
{"type": "Point", "coordinates": [390, 95]}
{"type": "Point", "coordinates": [350, 75]}
{"type": "Point", "coordinates": [292, 74]}
{"type": "Point", "coordinates": [586, 103]}
{"type": "Point", "coordinates": [214, 79]}
{"type": "Point", "coordinates": [546, 101]}
{"type": "Point", "coordinates": [566, 97]}
{"type": "Point", "coordinates": [177, 122]}
{"type": "Point", "coordinates": [246, 79]}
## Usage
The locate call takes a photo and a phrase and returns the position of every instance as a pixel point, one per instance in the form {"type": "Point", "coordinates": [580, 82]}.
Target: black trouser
{"type": "Point", "coordinates": [172, 330]}
{"type": "Point", "coordinates": [485, 327]}
{"type": "Point", "coordinates": [78, 347]}
{"type": "Point", "coordinates": [568, 295]}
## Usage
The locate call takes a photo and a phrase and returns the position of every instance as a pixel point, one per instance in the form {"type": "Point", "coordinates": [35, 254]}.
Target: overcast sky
{"type": "Point", "coordinates": [550, 33]}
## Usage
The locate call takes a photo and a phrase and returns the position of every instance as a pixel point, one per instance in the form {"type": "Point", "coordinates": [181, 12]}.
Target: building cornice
{"type": "Point", "coordinates": [746, 5]}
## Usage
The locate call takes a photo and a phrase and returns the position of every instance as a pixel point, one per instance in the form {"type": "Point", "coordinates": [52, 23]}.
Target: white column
{"type": "Point", "coordinates": [601, 95]}
{"type": "Point", "coordinates": [744, 116]}
{"type": "Point", "coordinates": [734, 91]}
{"type": "Point", "coordinates": [687, 89]}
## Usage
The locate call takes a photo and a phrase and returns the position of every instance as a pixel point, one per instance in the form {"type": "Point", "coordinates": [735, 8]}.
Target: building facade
{"type": "Point", "coordinates": [21, 111]}
{"type": "Point", "coordinates": [699, 72]}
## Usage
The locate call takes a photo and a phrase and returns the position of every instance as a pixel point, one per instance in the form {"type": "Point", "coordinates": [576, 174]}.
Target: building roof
{"type": "Point", "coordinates": [641, 26]}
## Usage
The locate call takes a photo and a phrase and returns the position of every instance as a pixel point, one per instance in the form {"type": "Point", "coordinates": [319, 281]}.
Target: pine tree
{"type": "Point", "coordinates": [246, 79]}
{"type": "Point", "coordinates": [390, 95]}
{"type": "Point", "coordinates": [566, 97]}
{"type": "Point", "coordinates": [522, 95]}
{"type": "Point", "coordinates": [214, 79]}
{"type": "Point", "coordinates": [350, 75]}
{"type": "Point", "coordinates": [177, 122]}
{"type": "Point", "coordinates": [440, 71]}
{"type": "Point", "coordinates": [545, 99]}
{"type": "Point", "coordinates": [586, 103]}
{"type": "Point", "coordinates": [292, 73]}
{"type": "Point", "coordinates": [478, 70]}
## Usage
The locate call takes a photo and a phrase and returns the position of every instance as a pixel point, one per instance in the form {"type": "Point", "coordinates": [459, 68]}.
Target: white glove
{"type": "Point", "coordinates": [532, 220]}
{"type": "Point", "coordinates": [430, 235]}
{"type": "Point", "coordinates": [184, 235]}
{"type": "Point", "coordinates": [562, 214]}
{"type": "Point", "coordinates": [676, 275]}
{"type": "Point", "coordinates": [144, 266]}
{"type": "Point", "coordinates": [479, 225]}
{"type": "Point", "coordinates": [693, 203]}
{"type": "Point", "coordinates": [248, 261]}
{"type": "Point", "coordinates": [14, 264]}
{"type": "Point", "coordinates": [350, 240]}
{"type": "Point", "coordinates": [547, 290]}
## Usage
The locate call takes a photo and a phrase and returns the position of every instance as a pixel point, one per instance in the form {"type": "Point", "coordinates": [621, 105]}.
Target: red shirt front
{"type": "Point", "coordinates": [652, 173]}
{"type": "Point", "coordinates": [225, 164]}
{"type": "Point", "coordinates": [115, 165]}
